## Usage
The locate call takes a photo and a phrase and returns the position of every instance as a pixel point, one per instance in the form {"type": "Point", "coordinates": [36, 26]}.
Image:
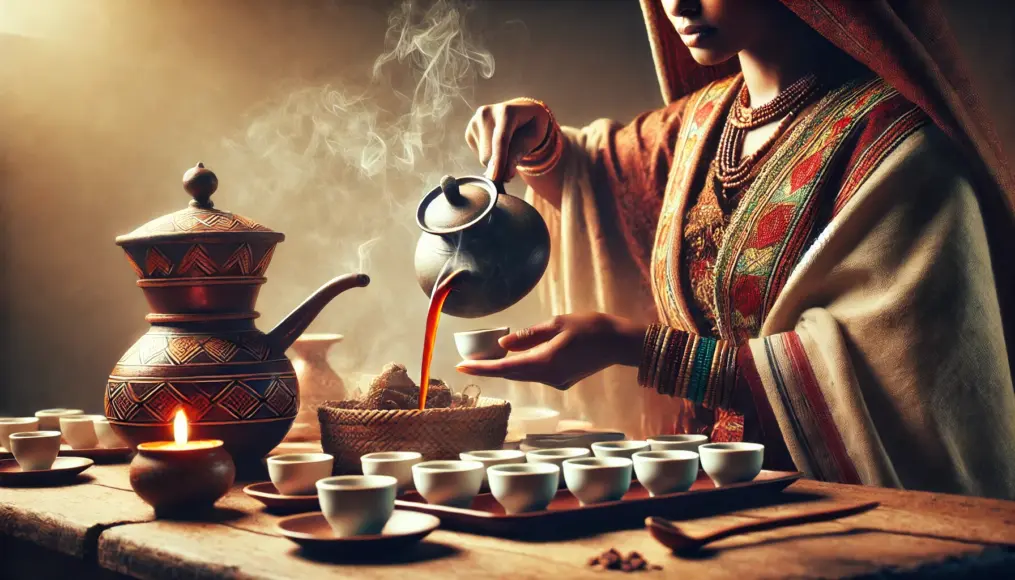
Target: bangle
{"type": "Point", "coordinates": [548, 153]}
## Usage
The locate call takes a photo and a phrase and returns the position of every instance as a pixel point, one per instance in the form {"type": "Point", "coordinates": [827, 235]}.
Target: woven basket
{"type": "Point", "coordinates": [348, 432]}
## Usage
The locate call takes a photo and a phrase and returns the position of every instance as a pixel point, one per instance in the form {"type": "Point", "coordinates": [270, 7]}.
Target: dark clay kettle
{"type": "Point", "coordinates": [498, 239]}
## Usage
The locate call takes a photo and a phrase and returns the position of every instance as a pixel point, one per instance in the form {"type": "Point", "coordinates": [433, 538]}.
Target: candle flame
{"type": "Point", "coordinates": [180, 428]}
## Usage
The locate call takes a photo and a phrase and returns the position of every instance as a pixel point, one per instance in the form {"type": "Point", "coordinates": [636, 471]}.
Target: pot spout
{"type": "Point", "coordinates": [293, 325]}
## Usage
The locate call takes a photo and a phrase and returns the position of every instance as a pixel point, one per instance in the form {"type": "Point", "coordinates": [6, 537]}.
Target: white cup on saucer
{"type": "Point", "coordinates": [449, 483]}
{"type": "Point", "coordinates": [10, 425]}
{"type": "Point", "coordinates": [662, 472]}
{"type": "Point", "coordinates": [625, 449]}
{"type": "Point", "coordinates": [297, 473]}
{"type": "Point", "coordinates": [397, 464]}
{"type": "Point", "coordinates": [687, 442]}
{"type": "Point", "coordinates": [49, 419]}
{"type": "Point", "coordinates": [493, 457]}
{"type": "Point", "coordinates": [108, 438]}
{"type": "Point", "coordinates": [79, 431]}
{"type": "Point", "coordinates": [35, 450]}
{"type": "Point", "coordinates": [357, 505]}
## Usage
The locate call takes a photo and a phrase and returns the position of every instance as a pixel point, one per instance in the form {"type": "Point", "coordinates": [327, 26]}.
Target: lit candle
{"type": "Point", "coordinates": [181, 475]}
{"type": "Point", "coordinates": [181, 434]}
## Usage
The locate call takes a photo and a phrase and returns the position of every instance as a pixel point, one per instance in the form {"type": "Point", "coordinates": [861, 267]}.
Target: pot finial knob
{"type": "Point", "coordinates": [200, 183]}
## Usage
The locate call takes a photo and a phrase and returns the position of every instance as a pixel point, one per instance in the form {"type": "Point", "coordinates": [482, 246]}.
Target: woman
{"type": "Point", "coordinates": [822, 234]}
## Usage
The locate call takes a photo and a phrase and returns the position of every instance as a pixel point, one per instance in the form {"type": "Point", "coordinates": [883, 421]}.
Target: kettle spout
{"type": "Point", "coordinates": [293, 325]}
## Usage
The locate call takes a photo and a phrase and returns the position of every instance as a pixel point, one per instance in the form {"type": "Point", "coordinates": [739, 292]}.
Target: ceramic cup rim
{"type": "Point", "coordinates": [448, 466]}
{"type": "Point", "coordinates": [523, 470]}
{"type": "Point", "coordinates": [77, 419]}
{"type": "Point", "coordinates": [495, 455]}
{"type": "Point", "coordinates": [625, 445]}
{"type": "Point", "coordinates": [679, 438]}
{"type": "Point", "coordinates": [356, 483]}
{"type": "Point", "coordinates": [301, 458]}
{"type": "Point", "coordinates": [36, 435]}
{"type": "Point", "coordinates": [59, 412]}
{"type": "Point", "coordinates": [666, 455]}
{"type": "Point", "coordinates": [598, 463]}
{"type": "Point", "coordinates": [391, 456]}
{"type": "Point", "coordinates": [19, 420]}
{"type": "Point", "coordinates": [501, 330]}
{"type": "Point", "coordinates": [559, 453]}
{"type": "Point", "coordinates": [731, 447]}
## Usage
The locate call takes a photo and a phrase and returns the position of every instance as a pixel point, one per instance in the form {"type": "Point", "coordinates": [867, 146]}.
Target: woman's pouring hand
{"type": "Point", "coordinates": [564, 350]}
{"type": "Point", "coordinates": [503, 133]}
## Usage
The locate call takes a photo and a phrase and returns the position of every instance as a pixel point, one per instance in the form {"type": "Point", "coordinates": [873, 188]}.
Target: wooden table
{"type": "Point", "coordinates": [99, 528]}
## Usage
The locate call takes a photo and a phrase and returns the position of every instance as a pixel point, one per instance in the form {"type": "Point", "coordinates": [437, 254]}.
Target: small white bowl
{"type": "Point", "coordinates": [356, 505]}
{"type": "Point", "coordinates": [493, 457]}
{"type": "Point", "coordinates": [298, 473]}
{"type": "Point", "coordinates": [598, 479]}
{"type": "Point", "coordinates": [35, 450]}
{"type": "Point", "coordinates": [533, 420]}
{"type": "Point", "coordinates": [625, 448]}
{"type": "Point", "coordinates": [79, 431]}
{"type": "Point", "coordinates": [49, 419]}
{"type": "Point", "coordinates": [662, 472]}
{"type": "Point", "coordinates": [10, 425]}
{"type": "Point", "coordinates": [556, 456]}
{"type": "Point", "coordinates": [449, 483]}
{"type": "Point", "coordinates": [108, 438]}
{"type": "Point", "coordinates": [524, 487]}
{"type": "Point", "coordinates": [688, 442]}
{"type": "Point", "coordinates": [481, 344]}
{"type": "Point", "coordinates": [729, 463]}
{"type": "Point", "coordinates": [397, 464]}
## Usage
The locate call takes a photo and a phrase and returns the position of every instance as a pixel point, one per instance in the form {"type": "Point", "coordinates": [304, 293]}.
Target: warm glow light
{"type": "Point", "coordinates": [180, 428]}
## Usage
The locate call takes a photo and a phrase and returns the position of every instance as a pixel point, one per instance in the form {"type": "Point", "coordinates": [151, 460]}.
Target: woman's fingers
{"type": "Point", "coordinates": [534, 335]}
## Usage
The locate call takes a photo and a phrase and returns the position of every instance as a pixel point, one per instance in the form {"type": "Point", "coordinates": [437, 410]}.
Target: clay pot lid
{"type": "Point", "coordinates": [200, 221]}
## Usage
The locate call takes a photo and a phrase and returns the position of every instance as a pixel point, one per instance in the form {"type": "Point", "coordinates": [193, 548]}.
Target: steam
{"type": "Point", "coordinates": [340, 167]}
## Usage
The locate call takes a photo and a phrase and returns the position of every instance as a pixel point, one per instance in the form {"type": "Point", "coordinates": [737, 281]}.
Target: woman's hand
{"type": "Point", "coordinates": [564, 350]}
{"type": "Point", "coordinates": [502, 134]}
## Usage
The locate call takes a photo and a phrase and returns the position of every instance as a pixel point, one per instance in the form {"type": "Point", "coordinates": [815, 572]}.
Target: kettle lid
{"type": "Point", "coordinates": [201, 221]}
{"type": "Point", "coordinates": [456, 204]}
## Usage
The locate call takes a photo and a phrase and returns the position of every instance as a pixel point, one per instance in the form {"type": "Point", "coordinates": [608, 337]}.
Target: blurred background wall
{"type": "Point", "coordinates": [105, 103]}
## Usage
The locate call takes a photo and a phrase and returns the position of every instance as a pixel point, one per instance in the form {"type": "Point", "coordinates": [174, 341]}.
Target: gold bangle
{"type": "Point", "coordinates": [647, 352]}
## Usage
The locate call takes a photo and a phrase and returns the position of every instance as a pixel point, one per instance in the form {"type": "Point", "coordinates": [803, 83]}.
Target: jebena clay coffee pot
{"type": "Point", "coordinates": [501, 241]}
{"type": "Point", "coordinates": [200, 269]}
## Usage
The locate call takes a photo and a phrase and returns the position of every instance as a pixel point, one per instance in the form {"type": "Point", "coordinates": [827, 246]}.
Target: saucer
{"type": "Point", "coordinates": [98, 454]}
{"type": "Point", "coordinates": [266, 493]}
{"type": "Point", "coordinates": [311, 531]}
{"type": "Point", "coordinates": [64, 470]}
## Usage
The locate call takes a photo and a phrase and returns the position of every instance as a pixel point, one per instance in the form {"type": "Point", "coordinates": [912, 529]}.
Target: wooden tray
{"type": "Point", "coordinates": [565, 516]}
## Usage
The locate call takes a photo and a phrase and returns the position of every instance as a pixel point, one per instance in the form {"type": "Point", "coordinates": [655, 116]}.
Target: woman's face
{"type": "Point", "coordinates": [716, 30]}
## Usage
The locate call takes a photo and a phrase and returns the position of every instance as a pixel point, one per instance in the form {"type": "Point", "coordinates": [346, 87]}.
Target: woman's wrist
{"type": "Point", "coordinates": [629, 342]}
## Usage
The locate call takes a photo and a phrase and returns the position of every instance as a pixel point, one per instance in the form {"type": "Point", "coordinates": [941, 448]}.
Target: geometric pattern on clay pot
{"type": "Point", "coordinates": [164, 349]}
{"type": "Point", "coordinates": [200, 260]}
{"type": "Point", "coordinates": [226, 400]}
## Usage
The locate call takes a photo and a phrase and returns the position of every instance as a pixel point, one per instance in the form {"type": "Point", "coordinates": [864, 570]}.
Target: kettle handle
{"type": "Point", "coordinates": [449, 189]}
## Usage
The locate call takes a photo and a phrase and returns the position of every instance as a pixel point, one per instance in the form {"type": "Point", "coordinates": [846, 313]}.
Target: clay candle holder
{"type": "Point", "coordinates": [181, 477]}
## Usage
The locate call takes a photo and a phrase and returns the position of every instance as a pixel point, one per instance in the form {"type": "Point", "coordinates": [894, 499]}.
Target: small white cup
{"type": "Point", "coordinates": [481, 344]}
{"type": "Point", "coordinates": [35, 450]}
{"type": "Point", "coordinates": [10, 425]}
{"type": "Point", "coordinates": [625, 449]}
{"type": "Point", "coordinates": [598, 479]}
{"type": "Point", "coordinates": [79, 431]}
{"type": "Point", "coordinates": [357, 505]}
{"type": "Point", "coordinates": [533, 420]}
{"type": "Point", "coordinates": [493, 457]}
{"type": "Point", "coordinates": [688, 442]}
{"type": "Point", "coordinates": [729, 463]}
{"type": "Point", "coordinates": [297, 473]}
{"type": "Point", "coordinates": [450, 483]}
{"type": "Point", "coordinates": [49, 419]}
{"type": "Point", "coordinates": [397, 464]}
{"type": "Point", "coordinates": [556, 456]}
{"type": "Point", "coordinates": [662, 472]}
{"type": "Point", "coordinates": [108, 438]}
{"type": "Point", "coordinates": [524, 487]}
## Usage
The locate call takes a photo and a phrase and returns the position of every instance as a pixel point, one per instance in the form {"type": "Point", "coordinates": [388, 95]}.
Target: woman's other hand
{"type": "Point", "coordinates": [564, 350]}
{"type": "Point", "coordinates": [503, 133]}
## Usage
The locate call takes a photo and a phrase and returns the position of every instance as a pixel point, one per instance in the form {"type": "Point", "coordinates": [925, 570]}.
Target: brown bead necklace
{"type": "Point", "coordinates": [734, 171]}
